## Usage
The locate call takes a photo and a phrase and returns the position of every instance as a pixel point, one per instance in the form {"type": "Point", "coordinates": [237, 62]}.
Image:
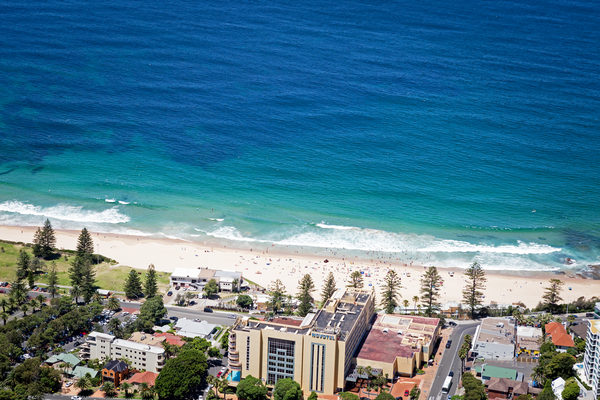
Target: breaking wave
{"type": "Point", "coordinates": [66, 212]}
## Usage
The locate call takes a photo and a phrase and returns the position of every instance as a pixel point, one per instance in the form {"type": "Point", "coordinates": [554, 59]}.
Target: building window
{"type": "Point", "coordinates": [247, 353]}
{"type": "Point", "coordinates": [284, 352]}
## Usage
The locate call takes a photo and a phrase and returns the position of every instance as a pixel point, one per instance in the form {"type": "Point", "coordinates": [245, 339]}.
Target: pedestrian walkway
{"type": "Point", "coordinates": [431, 371]}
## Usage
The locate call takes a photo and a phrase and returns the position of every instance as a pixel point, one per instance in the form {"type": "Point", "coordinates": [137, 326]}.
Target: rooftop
{"type": "Point", "coordinates": [64, 357]}
{"type": "Point", "coordinates": [140, 377]}
{"type": "Point", "coordinates": [171, 339]}
{"type": "Point", "coordinates": [595, 325]}
{"type": "Point", "coordinates": [287, 321]}
{"type": "Point", "coordinates": [490, 371]}
{"type": "Point", "coordinates": [138, 346]}
{"type": "Point", "coordinates": [503, 385]}
{"type": "Point", "coordinates": [559, 335]}
{"type": "Point", "coordinates": [186, 273]}
{"type": "Point", "coordinates": [116, 365]}
{"type": "Point", "coordinates": [496, 330]}
{"type": "Point", "coordinates": [189, 328]}
{"type": "Point", "coordinates": [146, 338]}
{"type": "Point", "coordinates": [228, 274]}
{"type": "Point", "coordinates": [100, 335]}
{"type": "Point", "coordinates": [80, 372]}
{"type": "Point", "coordinates": [383, 347]}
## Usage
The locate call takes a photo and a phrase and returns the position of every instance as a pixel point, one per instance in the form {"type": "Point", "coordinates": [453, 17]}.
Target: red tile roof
{"type": "Point", "coordinates": [287, 321]}
{"type": "Point", "coordinates": [171, 338]}
{"type": "Point", "coordinates": [148, 377]}
{"type": "Point", "coordinates": [384, 347]}
{"type": "Point", "coordinates": [559, 335]}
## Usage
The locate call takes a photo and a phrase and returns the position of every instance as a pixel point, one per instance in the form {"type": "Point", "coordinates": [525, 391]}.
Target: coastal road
{"type": "Point", "coordinates": [219, 318]}
{"type": "Point", "coordinates": [450, 360]}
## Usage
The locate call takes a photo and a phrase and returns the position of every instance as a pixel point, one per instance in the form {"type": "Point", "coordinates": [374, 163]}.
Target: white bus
{"type": "Point", "coordinates": [447, 384]}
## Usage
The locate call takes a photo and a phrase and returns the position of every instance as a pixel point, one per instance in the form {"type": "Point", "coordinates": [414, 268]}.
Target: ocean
{"type": "Point", "coordinates": [432, 132]}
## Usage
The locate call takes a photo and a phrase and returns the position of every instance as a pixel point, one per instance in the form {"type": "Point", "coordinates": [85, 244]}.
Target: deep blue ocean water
{"type": "Point", "coordinates": [450, 131]}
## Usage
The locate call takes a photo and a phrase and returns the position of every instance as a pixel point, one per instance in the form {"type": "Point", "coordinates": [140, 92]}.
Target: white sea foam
{"type": "Point", "coordinates": [455, 246]}
{"type": "Point", "coordinates": [66, 212]}
{"type": "Point", "coordinates": [110, 200]}
{"type": "Point", "coordinates": [123, 202]}
{"type": "Point", "coordinates": [217, 219]}
{"type": "Point", "coordinates": [229, 233]}
{"type": "Point", "coordinates": [340, 227]}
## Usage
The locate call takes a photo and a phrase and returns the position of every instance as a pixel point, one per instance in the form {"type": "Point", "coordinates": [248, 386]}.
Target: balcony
{"type": "Point", "coordinates": [234, 357]}
{"type": "Point", "coordinates": [235, 364]}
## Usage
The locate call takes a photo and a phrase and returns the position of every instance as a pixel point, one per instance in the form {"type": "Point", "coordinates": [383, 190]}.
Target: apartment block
{"type": "Point", "coordinates": [142, 356]}
{"type": "Point", "coordinates": [495, 338]}
{"type": "Point", "coordinates": [591, 360]}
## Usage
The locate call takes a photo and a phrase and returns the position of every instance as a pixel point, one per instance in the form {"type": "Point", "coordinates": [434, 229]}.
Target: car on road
{"type": "Point", "coordinates": [177, 287]}
{"type": "Point", "coordinates": [451, 373]}
{"type": "Point", "coordinates": [174, 319]}
{"type": "Point", "coordinates": [573, 315]}
{"type": "Point", "coordinates": [219, 374]}
{"type": "Point", "coordinates": [406, 393]}
{"type": "Point", "coordinates": [449, 397]}
{"type": "Point", "coordinates": [169, 293]}
{"type": "Point", "coordinates": [452, 323]}
{"type": "Point", "coordinates": [68, 384]}
{"type": "Point", "coordinates": [75, 398]}
{"type": "Point", "coordinates": [449, 344]}
{"type": "Point", "coordinates": [575, 323]}
{"type": "Point", "coordinates": [124, 313]}
{"type": "Point", "coordinates": [589, 314]}
{"type": "Point", "coordinates": [231, 316]}
{"type": "Point", "coordinates": [206, 309]}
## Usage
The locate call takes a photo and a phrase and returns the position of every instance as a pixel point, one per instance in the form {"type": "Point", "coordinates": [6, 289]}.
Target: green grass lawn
{"type": "Point", "coordinates": [111, 277]}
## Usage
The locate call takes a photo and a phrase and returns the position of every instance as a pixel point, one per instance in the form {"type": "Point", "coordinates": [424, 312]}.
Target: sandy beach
{"type": "Point", "coordinates": [265, 265]}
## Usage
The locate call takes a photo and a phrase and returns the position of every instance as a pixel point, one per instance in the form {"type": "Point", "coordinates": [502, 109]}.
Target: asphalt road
{"type": "Point", "coordinates": [216, 317]}
{"type": "Point", "coordinates": [450, 361]}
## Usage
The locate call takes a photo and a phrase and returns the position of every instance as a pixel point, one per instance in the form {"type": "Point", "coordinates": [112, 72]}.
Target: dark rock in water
{"type": "Point", "coordinates": [560, 272]}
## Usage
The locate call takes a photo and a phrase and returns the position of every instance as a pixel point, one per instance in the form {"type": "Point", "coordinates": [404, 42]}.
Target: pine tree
{"type": "Point", "coordinates": [305, 287]}
{"type": "Point", "coordinates": [53, 279]}
{"type": "Point", "coordinates": [30, 280]}
{"type": "Point", "coordinates": [389, 292]}
{"type": "Point", "coordinates": [329, 288]}
{"type": "Point", "coordinates": [22, 264]}
{"type": "Point", "coordinates": [88, 281]}
{"type": "Point", "coordinates": [150, 285]}
{"type": "Point", "coordinates": [356, 280]}
{"type": "Point", "coordinates": [552, 295]}
{"type": "Point", "coordinates": [85, 245]}
{"type": "Point", "coordinates": [430, 283]}
{"type": "Point", "coordinates": [44, 241]}
{"type": "Point", "coordinates": [133, 285]}
{"type": "Point", "coordinates": [472, 293]}
{"type": "Point", "coordinates": [76, 271]}
{"type": "Point", "coordinates": [277, 300]}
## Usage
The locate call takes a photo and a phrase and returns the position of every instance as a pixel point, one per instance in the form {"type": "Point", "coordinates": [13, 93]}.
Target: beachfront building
{"type": "Point", "coordinates": [115, 371]}
{"type": "Point", "coordinates": [398, 344]}
{"type": "Point", "coordinates": [228, 280]}
{"type": "Point", "coordinates": [591, 359]}
{"type": "Point", "coordinates": [495, 339]}
{"type": "Point", "coordinates": [316, 351]}
{"type": "Point", "coordinates": [192, 278]}
{"type": "Point", "coordinates": [560, 338]}
{"type": "Point", "coordinates": [142, 356]}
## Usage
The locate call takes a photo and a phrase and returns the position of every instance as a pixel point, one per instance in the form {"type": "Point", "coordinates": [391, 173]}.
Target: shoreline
{"type": "Point", "coordinates": [280, 262]}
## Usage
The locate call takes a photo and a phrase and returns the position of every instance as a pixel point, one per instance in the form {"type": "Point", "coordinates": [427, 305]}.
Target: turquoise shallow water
{"type": "Point", "coordinates": [427, 131]}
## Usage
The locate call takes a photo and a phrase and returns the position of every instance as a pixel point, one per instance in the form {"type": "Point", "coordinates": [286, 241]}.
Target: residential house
{"type": "Point", "coordinates": [137, 379]}
{"type": "Point", "coordinates": [115, 371]}
{"type": "Point", "coordinates": [63, 358]}
{"type": "Point", "coordinates": [80, 372]}
{"type": "Point", "coordinates": [190, 328]}
{"type": "Point", "coordinates": [560, 338]}
{"type": "Point", "coordinates": [528, 340]}
{"type": "Point", "coordinates": [504, 388]}
{"type": "Point", "coordinates": [228, 280]}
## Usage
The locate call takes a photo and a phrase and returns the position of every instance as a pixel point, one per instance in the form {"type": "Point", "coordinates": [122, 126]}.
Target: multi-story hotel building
{"type": "Point", "coordinates": [591, 360]}
{"type": "Point", "coordinates": [316, 351]}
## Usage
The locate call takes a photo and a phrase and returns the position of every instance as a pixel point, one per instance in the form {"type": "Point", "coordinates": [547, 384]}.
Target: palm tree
{"type": "Point", "coordinates": [147, 391]}
{"type": "Point", "coordinates": [76, 292]}
{"type": "Point", "coordinates": [462, 354]}
{"type": "Point", "coordinates": [419, 308]}
{"type": "Point", "coordinates": [41, 299]}
{"type": "Point", "coordinates": [33, 303]}
{"type": "Point", "coordinates": [4, 315]}
{"type": "Point", "coordinates": [222, 385]}
{"type": "Point", "coordinates": [113, 304]}
{"type": "Point", "coordinates": [83, 383]}
{"type": "Point", "coordinates": [114, 324]}
{"type": "Point", "coordinates": [109, 389]}
{"type": "Point", "coordinates": [415, 300]}
{"type": "Point", "coordinates": [25, 308]}
{"type": "Point", "coordinates": [405, 303]}
{"type": "Point", "coordinates": [4, 303]}
{"type": "Point", "coordinates": [360, 371]}
{"type": "Point", "coordinates": [234, 285]}
{"type": "Point", "coordinates": [97, 298]}
{"type": "Point", "coordinates": [369, 372]}
{"type": "Point", "coordinates": [125, 387]}
{"type": "Point", "coordinates": [571, 319]}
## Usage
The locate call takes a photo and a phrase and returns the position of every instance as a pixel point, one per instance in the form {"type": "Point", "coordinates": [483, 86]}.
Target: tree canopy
{"type": "Point", "coordinates": [356, 280]}
{"type": "Point", "coordinates": [211, 288]}
{"type": "Point", "coordinates": [328, 289]}
{"type": "Point", "coordinates": [551, 296]}
{"type": "Point", "coordinates": [151, 282]}
{"type": "Point", "coordinates": [152, 310]}
{"type": "Point", "coordinates": [390, 292]}
{"type": "Point", "coordinates": [44, 241]}
{"type": "Point", "coordinates": [431, 282]}
{"type": "Point", "coordinates": [305, 288]}
{"type": "Point", "coordinates": [287, 389]}
{"type": "Point", "coordinates": [181, 375]}
{"type": "Point", "coordinates": [384, 396]}
{"type": "Point", "coordinates": [472, 293]}
{"type": "Point", "coordinates": [244, 301]}
{"type": "Point", "coordinates": [251, 388]}
{"type": "Point", "coordinates": [133, 285]}
{"type": "Point", "coordinates": [277, 299]}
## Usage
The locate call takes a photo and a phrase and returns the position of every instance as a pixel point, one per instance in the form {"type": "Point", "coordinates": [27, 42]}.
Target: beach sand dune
{"type": "Point", "coordinates": [265, 265]}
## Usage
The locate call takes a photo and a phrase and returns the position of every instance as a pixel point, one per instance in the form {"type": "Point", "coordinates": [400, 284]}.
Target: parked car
{"type": "Point", "coordinates": [68, 384]}
{"type": "Point", "coordinates": [219, 374]}
{"type": "Point", "coordinates": [573, 315]}
{"type": "Point", "coordinates": [406, 393]}
{"type": "Point", "coordinates": [589, 314]}
{"type": "Point", "coordinates": [177, 287]}
{"type": "Point", "coordinates": [206, 309]}
{"type": "Point", "coordinates": [452, 323]}
{"type": "Point", "coordinates": [174, 319]}
{"type": "Point", "coordinates": [75, 398]}
{"type": "Point", "coordinates": [2, 291]}
{"type": "Point", "coordinates": [169, 293]}
{"type": "Point", "coordinates": [449, 344]}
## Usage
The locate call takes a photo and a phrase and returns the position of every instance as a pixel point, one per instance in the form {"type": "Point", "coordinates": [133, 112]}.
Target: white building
{"type": "Point", "coordinates": [495, 339]}
{"type": "Point", "coordinates": [189, 328]}
{"type": "Point", "coordinates": [591, 360]}
{"type": "Point", "coordinates": [558, 385]}
{"type": "Point", "coordinates": [142, 356]}
{"type": "Point", "coordinates": [227, 279]}
{"type": "Point", "coordinates": [193, 278]}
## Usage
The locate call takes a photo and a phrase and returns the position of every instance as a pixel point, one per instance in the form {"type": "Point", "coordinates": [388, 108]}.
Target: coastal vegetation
{"type": "Point", "coordinates": [390, 292]}
{"type": "Point", "coordinates": [44, 241]}
{"type": "Point", "coordinates": [305, 288]}
{"type": "Point", "coordinates": [472, 293]}
{"type": "Point", "coordinates": [551, 296]}
{"type": "Point", "coordinates": [431, 283]}
{"type": "Point", "coordinates": [329, 288]}
{"type": "Point", "coordinates": [356, 280]}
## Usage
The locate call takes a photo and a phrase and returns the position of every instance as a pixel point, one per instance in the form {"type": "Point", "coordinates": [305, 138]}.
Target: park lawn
{"type": "Point", "coordinates": [108, 276]}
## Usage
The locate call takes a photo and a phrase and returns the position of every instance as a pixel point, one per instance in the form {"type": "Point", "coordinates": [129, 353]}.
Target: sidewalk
{"type": "Point", "coordinates": [431, 371]}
